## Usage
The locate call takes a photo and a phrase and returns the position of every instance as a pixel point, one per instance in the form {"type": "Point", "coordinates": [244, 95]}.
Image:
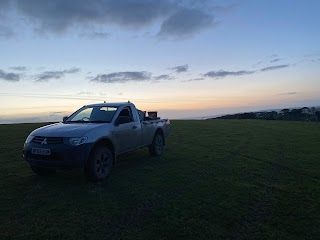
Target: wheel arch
{"type": "Point", "coordinates": [160, 131]}
{"type": "Point", "coordinates": [105, 142]}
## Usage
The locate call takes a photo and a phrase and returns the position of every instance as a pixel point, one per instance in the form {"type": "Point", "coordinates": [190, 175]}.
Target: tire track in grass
{"type": "Point", "coordinates": [147, 207]}
{"type": "Point", "coordinates": [260, 211]}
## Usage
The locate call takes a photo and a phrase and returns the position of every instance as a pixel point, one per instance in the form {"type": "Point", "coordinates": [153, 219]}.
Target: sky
{"type": "Point", "coordinates": [183, 58]}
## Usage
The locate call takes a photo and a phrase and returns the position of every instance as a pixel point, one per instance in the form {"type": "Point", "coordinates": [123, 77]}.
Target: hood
{"type": "Point", "coordinates": [66, 129]}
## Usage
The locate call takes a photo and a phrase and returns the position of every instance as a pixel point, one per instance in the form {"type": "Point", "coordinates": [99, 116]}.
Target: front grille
{"type": "Point", "coordinates": [49, 140]}
{"type": "Point", "coordinates": [52, 157]}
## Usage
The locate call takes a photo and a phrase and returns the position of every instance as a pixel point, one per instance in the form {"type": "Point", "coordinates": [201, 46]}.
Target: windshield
{"type": "Point", "coordinates": [95, 114]}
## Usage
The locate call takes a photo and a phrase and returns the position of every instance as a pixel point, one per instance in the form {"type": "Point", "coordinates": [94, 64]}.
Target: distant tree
{"type": "Point", "coordinates": [317, 113]}
{"type": "Point", "coordinates": [285, 114]}
{"type": "Point", "coordinates": [285, 110]}
{"type": "Point", "coordinates": [294, 115]}
{"type": "Point", "coordinates": [296, 111]}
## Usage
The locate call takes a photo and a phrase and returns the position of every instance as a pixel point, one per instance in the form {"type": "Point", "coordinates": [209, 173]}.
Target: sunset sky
{"type": "Point", "coordinates": [183, 58]}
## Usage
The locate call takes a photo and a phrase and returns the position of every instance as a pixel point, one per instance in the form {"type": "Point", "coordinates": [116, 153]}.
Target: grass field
{"type": "Point", "coordinates": [217, 179]}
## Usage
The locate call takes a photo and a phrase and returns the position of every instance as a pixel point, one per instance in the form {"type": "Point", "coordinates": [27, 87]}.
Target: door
{"type": "Point", "coordinates": [127, 135]}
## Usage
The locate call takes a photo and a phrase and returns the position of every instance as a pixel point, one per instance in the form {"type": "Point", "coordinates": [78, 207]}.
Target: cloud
{"type": "Point", "coordinates": [60, 15]}
{"type": "Point", "coordinates": [274, 67]}
{"type": "Point", "coordinates": [19, 68]}
{"type": "Point", "coordinates": [56, 113]}
{"type": "Point", "coordinates": [275, 60]}
{"type": "Point", "coordinates": [96, 35]}
{"type": "Point", "coordinates": [178, 19]}
{"type": "Point", "coordinates": [85, 93]}
{"type": "Point", "coordinates": [48, 75]}
{"type": "Point", "coordinates": [123, 77]}
{"type": "Point", "coordinates": [194, 79]}
{"type": "Point", "coordinates": [273, 56]}
{"type": "Point", "coordinates": [162, 77]}
{"type": "Point", "coordinates": [185, 23]}
{"type": "Point", "coordinates": [288, 93]}
{"type": "Point", "coordinates": [6, 32]}
{"type": "Point", "coordinates": [9, 76]}
{"type": "Point", "coordinates": [223, 74]}
{"type": "Point", "coordinates": [179, 69]}
{"type": "Point", "coordinates": [257, 64]}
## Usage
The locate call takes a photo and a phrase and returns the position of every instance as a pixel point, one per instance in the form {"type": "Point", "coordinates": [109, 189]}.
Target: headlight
{"type": "Point", "coordinates": [78, 141]}
{"type": "Point", "coordinates": [29, 138]}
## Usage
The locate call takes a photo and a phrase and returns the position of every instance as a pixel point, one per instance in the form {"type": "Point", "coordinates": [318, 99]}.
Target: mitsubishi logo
{"type": "Point", "coordinates": [44, 141]}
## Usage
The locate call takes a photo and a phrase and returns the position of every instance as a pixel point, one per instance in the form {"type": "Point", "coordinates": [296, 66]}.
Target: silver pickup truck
{"type": "Point", "coordinates": [92, 138]}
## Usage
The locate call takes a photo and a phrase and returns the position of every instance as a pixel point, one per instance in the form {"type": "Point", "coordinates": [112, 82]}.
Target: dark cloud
{"type": "Point", "coordinates": [96, 35]}
{"type": "Point", "coordinates": [275, 60]}
{"type": "Point", "coordinates": [223, 74]}
{"type": "Point", "coordinates": [6, 32]}
{"type": "Point", "coordinates": [162, 77]}
{"type": "Point", "coordinates": [72, 70]}
{"type": "Point", "coordinates": [48, 75]}
{"type": "Point", "coordinates": [9, 76]}
{"type": "Point", "coordinates": [288, 93]}
{"type": "Point", "coordinates": [274, 67]}
{"type": "Point", "coordinates": [60, 15]}
{"type": "Point", "coordinates": [178, 19]}
{"type": "Point", "coordinates": [179, 69]}
{"type": "Point", "coordinates": [185, 23]}
{"type": "Point", "coordinates": [123, 77]}
{"type": "Point", "coordinates": [19, 68]}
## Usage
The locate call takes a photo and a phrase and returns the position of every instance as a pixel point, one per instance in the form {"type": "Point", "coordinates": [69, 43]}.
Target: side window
{"type": "Point", "coordinates": [126, 112]}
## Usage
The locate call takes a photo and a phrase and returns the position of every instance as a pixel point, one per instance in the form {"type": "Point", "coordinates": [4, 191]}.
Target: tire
{"type": "Point", "coordinates": [100, 164]}
{"type": "Point", "coordinates": [156, 148]}
{"type": "Point", "coordinates": [42, 171]}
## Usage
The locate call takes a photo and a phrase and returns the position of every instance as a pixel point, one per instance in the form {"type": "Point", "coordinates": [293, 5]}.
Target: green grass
{"type": "Point", "coordinates": [228, 179]}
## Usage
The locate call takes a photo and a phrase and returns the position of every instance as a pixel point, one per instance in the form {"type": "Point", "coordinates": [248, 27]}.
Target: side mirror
{"type": "Point", "coordinates": [122, 120]}
{"type": "Point", "coordinates": [64, 118]}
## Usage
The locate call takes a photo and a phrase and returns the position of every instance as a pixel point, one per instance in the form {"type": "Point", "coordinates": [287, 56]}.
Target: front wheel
{"type": "Point", "coordinates": [100, 164]}
{"type": "Point", "coordinates": [156, 148]}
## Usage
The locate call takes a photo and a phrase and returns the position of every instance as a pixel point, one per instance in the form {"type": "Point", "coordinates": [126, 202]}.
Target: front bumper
{"type": "Point", "coordinates": [62, 156]}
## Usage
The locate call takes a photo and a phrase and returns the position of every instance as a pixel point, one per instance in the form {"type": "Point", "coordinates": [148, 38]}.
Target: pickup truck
{"type": "Point", "coordinates": [92, 138]}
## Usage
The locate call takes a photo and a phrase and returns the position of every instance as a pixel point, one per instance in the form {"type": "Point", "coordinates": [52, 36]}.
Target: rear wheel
{"type": "Point", "coordinates": [42, 171]}
{"type": "Point", "coordinates": [100, 163]}
{"type": "Point", "coordinates": [156, 148]}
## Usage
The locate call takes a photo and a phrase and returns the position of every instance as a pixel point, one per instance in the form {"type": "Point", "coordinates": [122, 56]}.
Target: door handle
{"type": "Point", "coordinates": [134, 127]}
